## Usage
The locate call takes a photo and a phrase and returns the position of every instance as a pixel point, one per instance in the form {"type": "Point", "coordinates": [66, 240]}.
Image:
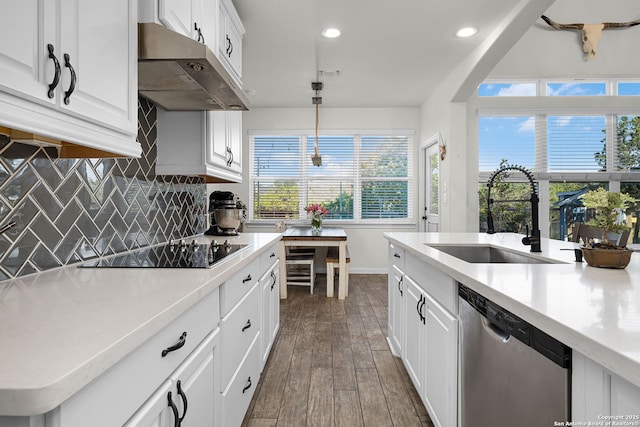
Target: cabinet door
{"type": "Point", "coordinates": [177, 15]}
{"type": "Point", "coordinates": [441, 364]}
{"type": "Point", "coordinates": [216, 139]}
{"type": "Point", "coordinates": [270, 309]}
{"type": "Point", "coordinates": [208, 22]}
{"type": "Point", "coordinates": [396, 296]}
{"type": "Point", "coordinates": [414, 344]}
{"type": "Point", "coordinates": [100, 39]}
{"type": "Point", "coordinates": [230, 38]}
{"type": "Point", "coordinates": [196, 383]}
{"type": "Point", "coordinates": [155, 412]}
{"type": "Point", "coordinates": [25, 66]}
{"type": "Point", "coordinates": [234, 139]}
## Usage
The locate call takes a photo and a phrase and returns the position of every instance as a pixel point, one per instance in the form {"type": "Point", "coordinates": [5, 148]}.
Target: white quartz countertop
{"type": "Point", "coordinates": [62, 328]}
{"type": "Point", "coordinates": [595, 311]}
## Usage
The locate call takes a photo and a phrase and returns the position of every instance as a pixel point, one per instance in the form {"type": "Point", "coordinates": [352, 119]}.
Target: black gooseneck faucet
{"type": "Point", "coordinates": [532, 239]}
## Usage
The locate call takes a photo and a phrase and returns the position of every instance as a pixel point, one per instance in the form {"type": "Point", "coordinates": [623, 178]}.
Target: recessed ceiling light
{"type": "Point", "coordinates": [331, 33]}
{"type": "Point", "coordinates": [466, 32]}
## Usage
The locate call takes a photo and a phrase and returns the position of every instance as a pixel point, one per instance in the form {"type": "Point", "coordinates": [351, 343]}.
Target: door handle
{"type": "Point", "coordinates": [176, 346]}
{"type": "Point", "coordinates": [56, 76]}
{"type": "Point", "coordinates": [72, 85]}
{"type": "Point", "coordinates": [247, 325]}
{"type": "Point", "coordinates": [400, 285]}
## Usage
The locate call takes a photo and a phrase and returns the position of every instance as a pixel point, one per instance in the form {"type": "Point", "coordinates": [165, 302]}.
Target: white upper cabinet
{"type": "Point", "coordinates": [230, 36]}
{"type": "Point", "coordinates": [69, 72]}
{"type": "Point", "coordinates": [204, 143]}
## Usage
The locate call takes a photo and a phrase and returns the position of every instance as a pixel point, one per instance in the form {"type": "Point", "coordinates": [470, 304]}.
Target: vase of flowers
{"type": "Point", "coordinates": [315, 213]}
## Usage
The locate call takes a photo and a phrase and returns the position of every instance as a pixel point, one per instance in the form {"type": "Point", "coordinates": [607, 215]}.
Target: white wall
{"type": "Point", "coordinates": [367, 246]}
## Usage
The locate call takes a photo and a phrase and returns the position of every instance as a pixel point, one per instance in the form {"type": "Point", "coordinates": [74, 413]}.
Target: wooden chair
{"type": "Point", "coordinates": [300, 263]}
{"type": "Point", "coordinates": [588, 232]}
{"type": "Point", "coordinates": [333, 265]}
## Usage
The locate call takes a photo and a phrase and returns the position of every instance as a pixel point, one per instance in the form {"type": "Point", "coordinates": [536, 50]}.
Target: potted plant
{"type": "Point", "coordinates": [608, 207]}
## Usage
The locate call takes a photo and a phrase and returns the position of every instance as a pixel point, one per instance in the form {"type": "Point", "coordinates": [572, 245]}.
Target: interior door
{"type": "Point", "coordinates": [431, 216]}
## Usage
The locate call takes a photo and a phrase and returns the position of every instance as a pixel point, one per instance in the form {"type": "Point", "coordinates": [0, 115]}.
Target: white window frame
{"type": "Point", "coordinates": [357, 183]}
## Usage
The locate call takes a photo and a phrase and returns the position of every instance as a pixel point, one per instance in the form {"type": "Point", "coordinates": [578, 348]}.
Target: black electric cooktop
{"type": "Point", "coordinates": [172, 255]}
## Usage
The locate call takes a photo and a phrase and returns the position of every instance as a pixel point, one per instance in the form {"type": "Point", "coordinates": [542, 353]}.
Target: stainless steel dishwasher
{"type": "Point", "coordinates": [511, 372]}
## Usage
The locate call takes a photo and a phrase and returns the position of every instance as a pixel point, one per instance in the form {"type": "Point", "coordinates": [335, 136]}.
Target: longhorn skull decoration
{"type": "Point", "coordinates": [591, 33]}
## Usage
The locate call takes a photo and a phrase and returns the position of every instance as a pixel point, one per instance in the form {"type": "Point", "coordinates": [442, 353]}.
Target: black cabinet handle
{"type": "Point", "coordinates": [248, 386]}
{"type": "Point", "coordinates": [199, 30]}
{"type": "Point", "coordinates": [247, 325]}
{"type": "Point", "coordinates": [272, 255]}
{"type": "Point", "coordinates": [230, 48]}
{"type": "Point", "coordinates": [400, 285]}
{"type": "Point", "coordinates": [274, 278]}
{"type": "Point", "coordinates": [56, 76]}
{"type": "Point", "coordinates": [229, 156]}
{"type": "Point", "coordinates": [396, 255]}
{"type": "Point", "coordinates": [418, 307]}
{"type": "Point", "coordinates": [246, 279]}
{"type": "Point", "coordinates": [424, 301]}
{"type": "Point", "coordinates": [174, 409]}
{"type": "Point", "coordinates": [184, 401]}
{"type": "Point", "coordinates": [72, 85]}
{"type": "Point", "coordinates": [228, 45]}
{"type": "Point", "coordinates": [179, 344]}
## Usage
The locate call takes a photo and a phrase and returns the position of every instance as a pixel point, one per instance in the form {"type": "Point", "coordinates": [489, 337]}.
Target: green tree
{"type": "Point", "coordinates": [628, 157]}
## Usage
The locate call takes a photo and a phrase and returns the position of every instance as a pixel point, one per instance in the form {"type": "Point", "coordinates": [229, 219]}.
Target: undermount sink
{"type": "Point", "coordinates": [484, 254]}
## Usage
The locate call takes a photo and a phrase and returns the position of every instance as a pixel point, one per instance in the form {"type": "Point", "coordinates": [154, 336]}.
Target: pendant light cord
{"type": "Point", "coordinates": [317, 117]}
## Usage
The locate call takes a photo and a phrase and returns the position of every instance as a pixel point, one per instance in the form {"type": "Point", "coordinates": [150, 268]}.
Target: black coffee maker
{"type": "Point", "coordinates": [225, 216]}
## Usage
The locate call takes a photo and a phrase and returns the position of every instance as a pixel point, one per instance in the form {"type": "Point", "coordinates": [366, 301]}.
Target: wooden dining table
{"type": "Point", "coordinates": [305, 237]}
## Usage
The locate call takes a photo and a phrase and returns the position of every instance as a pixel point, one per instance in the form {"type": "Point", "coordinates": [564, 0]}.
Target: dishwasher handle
{"type": "Point", "coordinates": [495, 331]}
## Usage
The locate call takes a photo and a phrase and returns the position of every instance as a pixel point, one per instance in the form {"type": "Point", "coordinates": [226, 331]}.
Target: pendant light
{"type": "Point", "coordinates": [316, 158]}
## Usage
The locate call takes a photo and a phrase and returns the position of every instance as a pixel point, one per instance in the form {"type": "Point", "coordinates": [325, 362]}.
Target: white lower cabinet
{"type": "Point", "coordinates": [270, 285]}
{"type": "Point", "coordinates": [597, 393]}
{"type": "Point", "coordinates": [441, 364]}
{"type": "Point", "coordinates": [190, 396]}
{"type": "Point", "coordinates": [430, 340]}
{"type": "Point", "coordinates": [396, 289]}
{"type": "Point", "coordinates": [415, 333]}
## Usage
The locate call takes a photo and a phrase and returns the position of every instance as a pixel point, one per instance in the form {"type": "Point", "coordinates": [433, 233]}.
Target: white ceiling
{"type": "Point", "coordinates": [390, 54]}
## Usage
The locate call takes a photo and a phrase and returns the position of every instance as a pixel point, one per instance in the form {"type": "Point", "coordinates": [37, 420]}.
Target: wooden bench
{"type": "Point", "coordinates": [333, 264]}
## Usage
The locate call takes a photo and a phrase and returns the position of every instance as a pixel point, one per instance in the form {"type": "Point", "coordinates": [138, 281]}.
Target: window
{"type": "Point", "coordinates": [576, 89]}
{"type": "Point", "coordinates": [363, 178]}
{"type": "Point", "coordinates": [571, 146]}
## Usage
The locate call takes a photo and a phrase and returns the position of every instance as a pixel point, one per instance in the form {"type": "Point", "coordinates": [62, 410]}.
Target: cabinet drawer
{"type": "Point", "coordinates": [396, 256]}
{"type": "Point", "coordinates": [238, 285]}
{"type": "Point", "coordinates": [433, 281]}
{"type": "Point", "coordinates": [239, 328]}
{"type": "Point", "coordinates": [237, 396]}
{"type": "Point", "coordinates": [118, 392]}
{"type": "Point", "coordinates": [268, 257]}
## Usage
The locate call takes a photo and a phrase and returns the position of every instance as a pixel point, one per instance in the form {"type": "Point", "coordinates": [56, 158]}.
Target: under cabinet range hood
{"type": "Point", "coordinates": [179, 73]}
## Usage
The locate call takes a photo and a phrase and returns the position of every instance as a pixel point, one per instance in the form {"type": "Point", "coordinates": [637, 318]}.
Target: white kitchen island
{"type": "Point", "coordinates": [594, 311]}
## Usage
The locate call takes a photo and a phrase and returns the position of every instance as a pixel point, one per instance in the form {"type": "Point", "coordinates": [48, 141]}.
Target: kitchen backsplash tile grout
{"type": "Point", "coordinates": [71, 210]}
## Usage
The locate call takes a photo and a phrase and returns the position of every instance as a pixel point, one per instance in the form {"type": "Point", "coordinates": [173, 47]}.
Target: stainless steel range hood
{"type": "Point", "coordinates": [178, 73]}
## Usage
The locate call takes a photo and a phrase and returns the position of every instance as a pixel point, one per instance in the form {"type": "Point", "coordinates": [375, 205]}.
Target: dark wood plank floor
{"type": "Point", "coordinates": [331, 364]}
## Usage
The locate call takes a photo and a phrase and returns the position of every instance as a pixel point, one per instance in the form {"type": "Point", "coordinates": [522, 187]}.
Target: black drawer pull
{"type": "Point", "coordinates": [396, 255]}
{"type": "Point", "coordinates": [72, 85]}
{"type": "Point", "coordinates": [247, 325]}
{"type": "Point", "coordinates": [246, 279]}
{"type": "Point", "coordinates": [56, 76]}
{"type": "Point", "coordinates": [174, 409]}
{"type": "Point", "coordinates": [184, 401]}
{"type": "Point", "coordinates": [248, 386]}
{"type": "Point", "coordinates": [272, 255]}
{"type": "Point", "coordinates": [179, 344]}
